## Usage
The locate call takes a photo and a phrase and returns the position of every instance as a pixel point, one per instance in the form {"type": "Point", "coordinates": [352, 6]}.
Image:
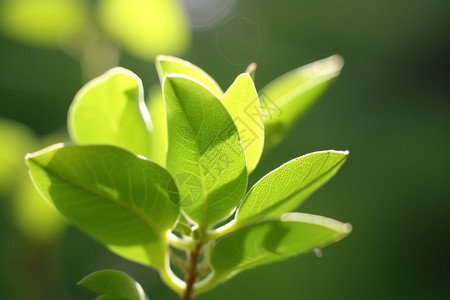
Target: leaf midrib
{"type": "Point", "coordinates": [291, 195]}
{"type": "Point", "coordinates": [199, 161]}
{"type": "Point", "coordinates": [130, 208]}
{"type": "Point", "coordinates": [281, 251]}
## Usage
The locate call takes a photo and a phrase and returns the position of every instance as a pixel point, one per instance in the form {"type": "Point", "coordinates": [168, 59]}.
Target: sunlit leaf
{"type": "Point", "coordinates": [158, 136]}
{"type": "Point", "coordinates": [124, 201]}
{"type": "Point", "coordinates": [288, 97]}
{"type": "Point", "coordinates": [204, 151]}
{"type": "Point", "coordinates": [288, 186]}
{"type": "Point", "coordinates": [146, 28]}
{"type": "Point", "coordinates": [46, 23]}
{"type": "Point", "coordinates": [111, 110]}
{"type": "Point", "coordinates": [169, 64]}
{"type": "Point", "coordinates": [241, 101]}
{"type": "Point", "coordinates": [113, 285]}
{"type": "Point", "coordinates": [273, 240]}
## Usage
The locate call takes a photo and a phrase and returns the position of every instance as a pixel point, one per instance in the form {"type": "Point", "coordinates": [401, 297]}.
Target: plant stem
{"type": "Point", "coordinates": [221, 231]}
{"type": "Point", "coordinates": [181, 244]}
{"type": "Point", "coordinates": [170, 279]}
{"type": "Point", "coordinates": [191, 275]}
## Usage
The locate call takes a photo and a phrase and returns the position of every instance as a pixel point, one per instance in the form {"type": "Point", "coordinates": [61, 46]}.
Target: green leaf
{"type": "Point", "coordinates": [169, 64]}
{"type": "Point", "coordinates": [286, 187]}
{"type": "Point", "coordinates": [113, 285]}
{"type": "Point", "coordinates": [273, 240]}
{"type": "Point", "coordinates": [241, 101]}
{"type": "Point", "coordinates": [126, 202]}
{"type": "Point", "coordinates": [204, 151]}
{"type": "Point", "coordinates": [46, 23]}
{"type": "Point", "coordinates": [111, 110]}
{"type": "Point", "coordinates": [288, 97]}
{"type": "Point", "coordinates": [146, 28]}
{"type": "Point", "coordinates": [158, 136]}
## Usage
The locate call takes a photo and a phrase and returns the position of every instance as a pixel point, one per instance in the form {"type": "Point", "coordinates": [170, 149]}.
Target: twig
{"type": "Point", "coordinates": [191, 275]}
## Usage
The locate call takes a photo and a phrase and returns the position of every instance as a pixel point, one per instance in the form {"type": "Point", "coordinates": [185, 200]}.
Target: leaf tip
{"type": "Point", "coordinates": [161, 57]}
{"type": "Point", "coordinates": [341, 152]}
{"type": "Point", "coordinates": [158, 58]}
{"type": "Point", "coordinates": [324, 69]}
{"type": "Point", "coordinates": [347, 228]}
{"type": "Point", "coordinates": [337, 226]}
{"type": "Point", "coordinates": [28, 156]}
{"type": "Point", "coordinates": [172, 77]}
{"type": "Point", "coordinates": [251, 69]}
{"type": "Point", "coordinates": [337, 61]}
{"type": "Point", "coordinates": [124, 71]}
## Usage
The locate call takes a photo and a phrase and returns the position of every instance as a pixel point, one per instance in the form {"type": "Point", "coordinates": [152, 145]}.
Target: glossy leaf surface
{"type": "Point", "coordinates": [113, 285]}
{"type": "Point", "coordinates": [111, 110]}
{"type": "Point", "coordinates": [146, 28]}
{"type": "Point", "coordinates": [204, 152]}
{"type": "Point", "coordinates": [288, 186]}
{"type": "Point", "coordinates": [274, 240]}
{"type": "Point", "coordinates": [169, 64]}
{"type": "Point", "coordinates": [124, 201]}
{"type": "Point", "coordinates": [288, 97]}
{"type": "Point", "coordinates": [241, 101]}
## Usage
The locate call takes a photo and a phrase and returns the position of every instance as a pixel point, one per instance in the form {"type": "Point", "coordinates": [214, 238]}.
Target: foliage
{"type": "Point", "coordinates": [171, 191]}
{"type": "Point", "coordinates": [112, 285]}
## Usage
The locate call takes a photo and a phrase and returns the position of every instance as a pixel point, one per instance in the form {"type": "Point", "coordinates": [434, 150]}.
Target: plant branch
{"type": "Point", "coordinates": [191, 275]}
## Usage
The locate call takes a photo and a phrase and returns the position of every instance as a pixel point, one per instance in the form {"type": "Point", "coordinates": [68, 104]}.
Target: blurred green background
{"type": "Point", "coordinates": [390, 107]}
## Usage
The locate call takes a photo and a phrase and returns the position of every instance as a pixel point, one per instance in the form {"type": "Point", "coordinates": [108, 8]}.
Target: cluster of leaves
{"type": "Point", "coordinates": [170, 191]}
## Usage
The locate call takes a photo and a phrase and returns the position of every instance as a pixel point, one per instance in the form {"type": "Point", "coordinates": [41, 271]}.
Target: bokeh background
{"type": "Point", "coordinates": [390, 107]}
